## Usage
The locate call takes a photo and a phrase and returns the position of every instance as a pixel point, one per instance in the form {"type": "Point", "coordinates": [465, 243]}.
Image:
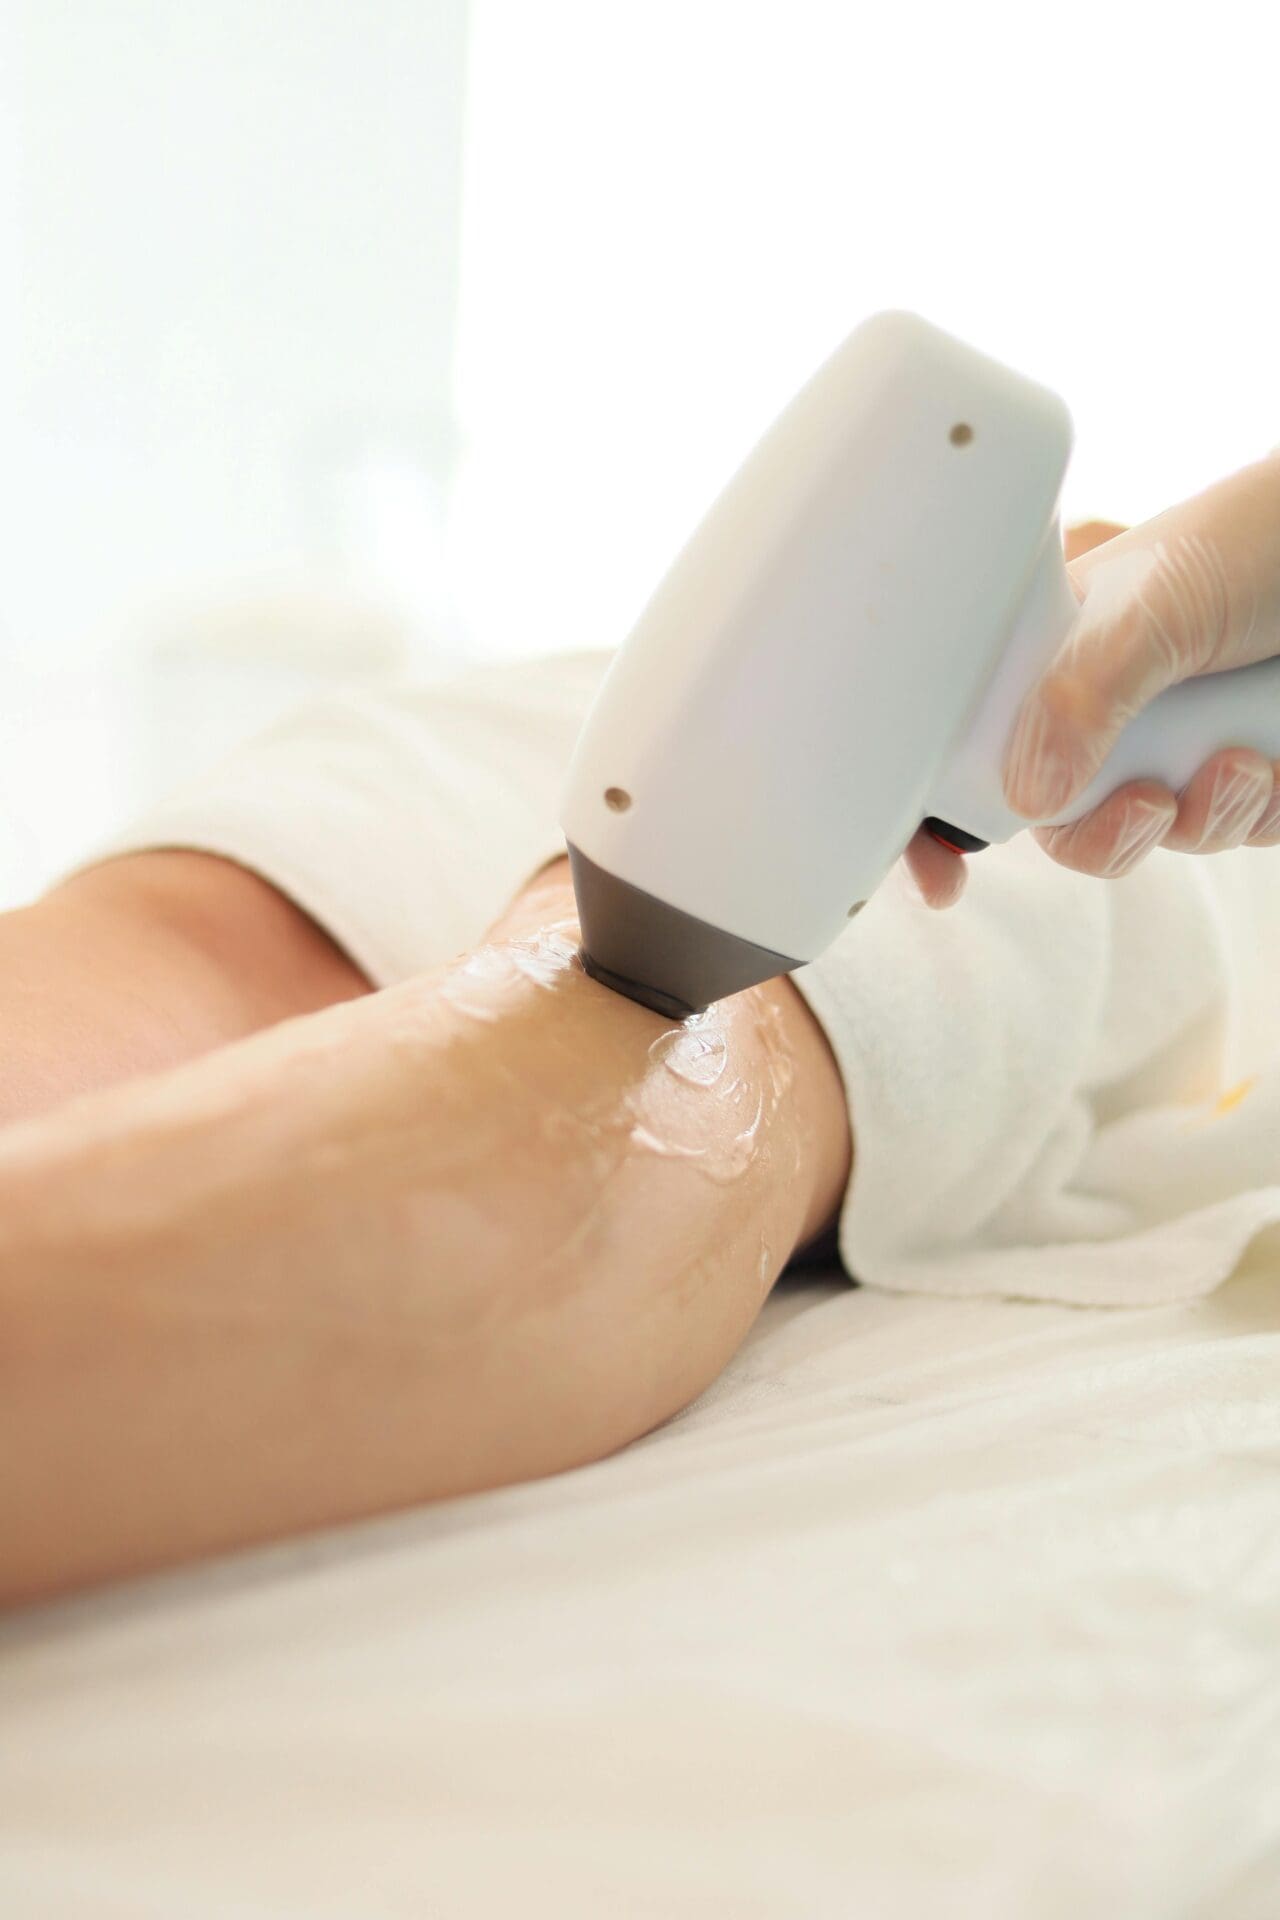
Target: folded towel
{"type": "Point", "coordinates": [1061, 1089]}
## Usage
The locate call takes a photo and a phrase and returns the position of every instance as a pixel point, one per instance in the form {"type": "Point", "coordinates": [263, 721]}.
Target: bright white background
{"type": "Point", "coordinates": [335, 337]}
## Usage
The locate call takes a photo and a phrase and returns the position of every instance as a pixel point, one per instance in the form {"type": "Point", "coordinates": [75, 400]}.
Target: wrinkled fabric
{"type": "Point", "coordinates": [928, 1607]}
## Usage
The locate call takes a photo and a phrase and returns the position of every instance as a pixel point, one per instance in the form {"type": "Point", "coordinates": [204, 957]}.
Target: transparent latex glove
{"type": "Point", "coordinates": [1196, 590]}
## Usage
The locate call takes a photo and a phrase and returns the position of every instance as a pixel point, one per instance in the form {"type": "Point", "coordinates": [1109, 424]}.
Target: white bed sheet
{"type": "Point", "coordinates": [928, 1608]}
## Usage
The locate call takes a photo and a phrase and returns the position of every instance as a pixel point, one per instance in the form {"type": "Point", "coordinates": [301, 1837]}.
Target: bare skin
{"type": "Point", "coordinates": [475, 1229]}
{"type": "Point", "coordinates": [145, 961]}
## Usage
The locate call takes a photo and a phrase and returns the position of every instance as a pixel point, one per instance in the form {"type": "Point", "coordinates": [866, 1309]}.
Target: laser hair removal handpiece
{"type": "Point", "coordinates": [839, 654]}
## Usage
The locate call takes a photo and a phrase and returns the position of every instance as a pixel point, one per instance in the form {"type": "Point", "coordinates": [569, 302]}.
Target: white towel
{"type": "Point", "coordinates": [1061, 1089]}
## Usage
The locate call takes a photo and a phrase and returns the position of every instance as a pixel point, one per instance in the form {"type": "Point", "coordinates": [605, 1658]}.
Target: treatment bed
{"type": "Point", "coordinates": [928, 1608]}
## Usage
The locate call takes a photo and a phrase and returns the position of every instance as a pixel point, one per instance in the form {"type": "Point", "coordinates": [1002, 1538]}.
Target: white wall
{"type": "Point", "coordinates": [238, 244]}
{"type": "Point", "coordinates": [674, 210]}
{"type": "Point", "coordinates": [228, 269]}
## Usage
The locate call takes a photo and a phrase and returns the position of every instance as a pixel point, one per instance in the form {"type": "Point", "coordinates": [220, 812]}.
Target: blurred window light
{"type": "Point", "coordinates": [673, 213]}
{"type": "Point", "coordinates": [436, 325]}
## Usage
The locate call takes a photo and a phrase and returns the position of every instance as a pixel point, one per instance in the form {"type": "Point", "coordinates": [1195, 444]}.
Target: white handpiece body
{"type": "Point", "coordinates": [840, 651]}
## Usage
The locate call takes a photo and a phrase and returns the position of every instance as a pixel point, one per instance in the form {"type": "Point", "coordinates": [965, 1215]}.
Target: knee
{"type": "Point", "coordinates": [145, 961]}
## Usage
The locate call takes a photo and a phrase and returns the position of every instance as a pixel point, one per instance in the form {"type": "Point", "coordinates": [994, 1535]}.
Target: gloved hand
{"type": "Point", "coordinates": [1195, 590]}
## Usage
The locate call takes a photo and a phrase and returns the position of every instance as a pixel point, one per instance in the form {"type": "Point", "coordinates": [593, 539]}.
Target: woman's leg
{"type": "Point", "coordinates": [143, 962]}
{"type": "Point", "coordinates": [478, 1228]}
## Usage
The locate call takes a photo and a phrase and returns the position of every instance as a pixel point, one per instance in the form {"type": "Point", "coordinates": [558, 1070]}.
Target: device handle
{"type": "Point", "coordinates": [1182, 727]}
{"type": "Point", "coordinates": [1167, 741]}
